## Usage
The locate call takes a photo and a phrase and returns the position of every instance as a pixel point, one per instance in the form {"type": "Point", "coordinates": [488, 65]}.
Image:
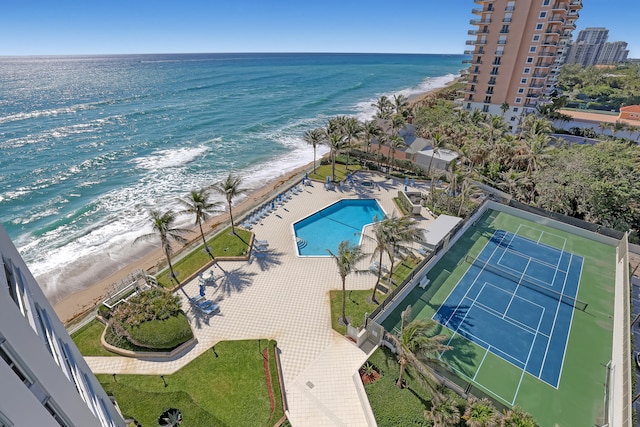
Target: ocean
{"type": "Point", "coordinates": [90, 144]}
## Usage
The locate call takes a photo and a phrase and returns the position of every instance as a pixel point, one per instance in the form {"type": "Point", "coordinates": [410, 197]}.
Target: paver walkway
{"type": "Point", "coordinates": [286, 298]}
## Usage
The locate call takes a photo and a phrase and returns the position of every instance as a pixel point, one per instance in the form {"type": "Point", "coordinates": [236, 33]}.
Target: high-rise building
{"type": "Point", "coordinates": [591, 47]}
{"type": "Point", "coordinates": [44, 380]}
{"type": "Point", "coordinates": [518, 49]}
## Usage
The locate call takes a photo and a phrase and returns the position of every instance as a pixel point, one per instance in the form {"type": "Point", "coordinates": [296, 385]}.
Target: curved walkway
{"type": "Point", "coordinates": [286, 298]}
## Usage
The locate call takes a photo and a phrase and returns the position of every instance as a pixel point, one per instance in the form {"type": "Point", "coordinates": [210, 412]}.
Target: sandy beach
{"type": "Point", "coordinates": [79, 303]}
{"type": "Point", "coordinates": [76, 305]}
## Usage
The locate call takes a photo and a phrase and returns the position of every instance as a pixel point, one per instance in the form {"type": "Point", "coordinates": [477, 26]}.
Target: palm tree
{"type": "Point", "coordinates": [395, 142]}
{"type": "Point", "coordinates": [400, 104]}
{"type": "Point", "coordinates": [371, 129]}
{"type": "Point", "coordinates": [346, 259]}
{"type": "Point", "coordinates": [400, 232]}
{"type": "Point", "coordinates": [162, 225]}
{"type": "Point", "coordinates": [443, 413]}
{"type": "Point", "coordinates": [198, 204]}
{"type": "Point", "coordinates": [230, 188]}
{"type": "Point", "coordinates": [334, 139]}
{"type": "Point", "coordinates": [516, 417]}
{"type": "Point", "coordinates": [604, 126]}
{"type": "Point", "coordinates": [480, 413]}
{"type": "Point", "coordinates": [352, 129]}
{"type": "Point", "coordinates": [504, 107]}
{"type": "Point", "coordinates": [380, 237]}
{"type": "Point", "coordinates": [314, 138]}
{"type": "Point", "coordinates": [618, 126]}
{"type": "Point", "coordinates": [384, 107]}
{"type": "Point", "coordinates": [437, 142]}
{"type": "Point", "coordinates": [415, 347]}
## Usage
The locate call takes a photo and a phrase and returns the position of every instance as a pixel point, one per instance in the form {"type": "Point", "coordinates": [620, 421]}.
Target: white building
{"type": "Point", "coordinates": [44, 380]}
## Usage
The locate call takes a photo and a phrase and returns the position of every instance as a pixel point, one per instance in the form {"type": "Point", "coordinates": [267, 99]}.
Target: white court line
{"type": "Point", "coordinates": [555, 317]}
{"type": "Point", "coordinates": [481, 362]}
{"type": "Point", "coordinates": [517, 286]}
{"type": "Point", "coordinates": [524, 370]}
{"type": "Point", "coordinates": [566, 342]}
{"type": "Point", "coordinates": [469, 289]}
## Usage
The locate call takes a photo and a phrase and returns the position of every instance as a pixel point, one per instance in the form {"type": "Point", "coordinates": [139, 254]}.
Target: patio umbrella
{"type": "Point", "coordinates": [201, 290]}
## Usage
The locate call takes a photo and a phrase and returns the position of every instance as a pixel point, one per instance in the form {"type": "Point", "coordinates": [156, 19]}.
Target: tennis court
{"type": "Point", "coordinates": [513, 294]}
{"type": "Point", "coordinates": [516, 300]}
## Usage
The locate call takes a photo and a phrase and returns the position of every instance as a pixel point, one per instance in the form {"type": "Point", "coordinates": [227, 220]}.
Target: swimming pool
{"type": "Point", "coordinates": [340, 221]}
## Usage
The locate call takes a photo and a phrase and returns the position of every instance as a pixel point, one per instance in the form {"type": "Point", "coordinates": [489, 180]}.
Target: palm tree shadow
{"type": "Point", "coordinates": [233, 281]}
{"type": "Point", "coordinates": [266, 259]}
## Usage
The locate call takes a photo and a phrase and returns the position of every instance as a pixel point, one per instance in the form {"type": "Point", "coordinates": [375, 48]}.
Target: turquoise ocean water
{"type": "Point", "coordinates": [88, 145]}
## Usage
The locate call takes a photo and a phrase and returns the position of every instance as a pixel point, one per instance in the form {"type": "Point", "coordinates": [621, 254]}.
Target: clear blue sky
{"type": "Point", "coordinates": [57, 27]}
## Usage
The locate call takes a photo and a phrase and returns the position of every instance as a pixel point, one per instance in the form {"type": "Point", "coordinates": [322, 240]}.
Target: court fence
{"type": "Point", "coordinates": [558, 296]}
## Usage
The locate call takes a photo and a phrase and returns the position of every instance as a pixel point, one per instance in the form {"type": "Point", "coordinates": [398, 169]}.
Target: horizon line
{"type": "Point", "coordinates": [224, 53]}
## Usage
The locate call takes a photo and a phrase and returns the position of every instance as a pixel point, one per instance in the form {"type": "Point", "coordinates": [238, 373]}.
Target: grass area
{"type": "Point", "coordinates": [402, 270]}
{"type": "Point", "coordinates": [323, 171]}
{"type": "Point", "coordinates": [356, 307]}
{"type": "Point", "coordinates": [391, 405]}
{"type": "Point", "coordinates": [222, 388]}
{"type": "Point", "coordinates": [222, 244]}
{"type": "Point", "coordinates": [590, 339]}
{"type": "Point", "coordinates": [87, 339]}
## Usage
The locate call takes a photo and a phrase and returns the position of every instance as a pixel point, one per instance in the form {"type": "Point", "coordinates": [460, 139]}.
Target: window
{"type": "Point", "coordinates": [539, 27]}
{"type": "Point", "coordinates": [487, 100]}
{"type": "Point", "coordinates": [532, 49]}
{"type": "Point", "coordinates": [523, 81]}
{"type": "Point", "coordinates": [518, 100]}
{"type": "Point", "coordinates": [505, 29]}
{"type": "Point", "coordinates": [527, 70]}
{"type": "Point", "coordinates": [513, 118]}
{"type": "Point", "coordinates": [494, 71]}
{"type": "Point", "coordinates": [536, 38]}
{"type": "Point", "coordinates": [468, 105]}
{"type": "Point", "coordinates": [520, 90]}
{"type": "Point", "coordinates": [545, 2]}
{"type": "Point", "coordinates": [529, 60]}
{"type": "Point", "coordinates": [10, 361]}
{"type": "Point", "coordinates": [515, 109]}
{"type": "Point", "coordinates": [492, 80]}
{"type": "Point", "coordinates": [485, 109]}
{"type": "Point", "coordinates": [543, 15]}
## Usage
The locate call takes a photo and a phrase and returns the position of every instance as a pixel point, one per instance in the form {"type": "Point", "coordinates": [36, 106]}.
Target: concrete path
{"type": "Point", "coordinates": [285, 297]}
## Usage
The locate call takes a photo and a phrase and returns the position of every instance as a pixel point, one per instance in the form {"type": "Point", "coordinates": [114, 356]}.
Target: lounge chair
{"type": "Point", "coordinates": [260, 242]}
{"type": "Point", "coordinates": [424, 282]}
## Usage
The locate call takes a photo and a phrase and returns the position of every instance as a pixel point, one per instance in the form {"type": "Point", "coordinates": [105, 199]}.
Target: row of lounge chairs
{"type": "Point", "coordinates": [265, 210]}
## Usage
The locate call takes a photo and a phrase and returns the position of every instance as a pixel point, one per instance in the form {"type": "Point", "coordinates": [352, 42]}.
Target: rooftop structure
{"type": "Point", "coordinates": [517, 53]}
{"type": "Point", "coordinates": [45, 380]}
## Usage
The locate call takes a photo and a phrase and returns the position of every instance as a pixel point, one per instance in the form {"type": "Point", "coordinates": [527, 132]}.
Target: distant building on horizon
{"type": "Point", "coordinates": [44, 379]}
{"type": "Point", "coordinates": [518, 49]}
{"type": "Point", "coordinates": [591, 48]}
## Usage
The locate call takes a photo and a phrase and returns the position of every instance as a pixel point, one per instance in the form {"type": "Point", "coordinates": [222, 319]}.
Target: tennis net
{"type": "Point", "coordinates": [521, 280]}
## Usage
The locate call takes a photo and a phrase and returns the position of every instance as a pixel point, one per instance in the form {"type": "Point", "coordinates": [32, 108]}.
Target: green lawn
{"type": "Point", "coordinates": [323, 171]}
{"type": "Point", "coordinates": [391, 405]}
{"type": "Point", "coordinates": [87, 339]}
{"type": "Point", "coordinates": [222, 244]}
{"type": "Point", "coordinates": [225, 388]}
{"type": "Point", "coordinates": [590, 340]}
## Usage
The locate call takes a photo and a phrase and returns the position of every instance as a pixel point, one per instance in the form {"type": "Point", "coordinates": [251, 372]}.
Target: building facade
{"type": "Point", "coordinates": [591, 47]}
{"type": "Point", "coordinates": [44, 380]}
{"type": "Point", "coordinates": [518, 49]}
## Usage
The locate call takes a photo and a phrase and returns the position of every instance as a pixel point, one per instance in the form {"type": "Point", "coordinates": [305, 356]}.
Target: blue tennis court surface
{"type": "Point", "coordinates": [517, 300]}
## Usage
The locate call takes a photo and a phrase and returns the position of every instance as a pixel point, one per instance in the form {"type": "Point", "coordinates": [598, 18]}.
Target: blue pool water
{"type": "Point", "coordinates": [342, 220]}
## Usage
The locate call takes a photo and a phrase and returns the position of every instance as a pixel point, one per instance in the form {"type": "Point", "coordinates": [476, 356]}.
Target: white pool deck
{"type": "Point", "coordinates": [285, 297]}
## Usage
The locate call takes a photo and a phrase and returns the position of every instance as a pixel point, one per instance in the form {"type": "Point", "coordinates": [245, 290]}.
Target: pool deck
{"type": "Point", "coordinates": [285, 297]}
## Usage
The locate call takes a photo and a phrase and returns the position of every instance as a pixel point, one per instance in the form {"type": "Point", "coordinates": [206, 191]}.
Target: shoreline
{"type": "Point", "coordinates": [77, 305]}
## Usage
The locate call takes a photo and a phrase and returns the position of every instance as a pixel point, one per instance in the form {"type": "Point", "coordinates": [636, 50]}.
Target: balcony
{"type": "Point", "coordinates": [556, 18]}
{"type": "Point", "coordinates": [559, 6]}
{"type": "Point", "coordinates": [493, 73]}
{"type": "Point", "coordinates": [506, 20]}
{"type": "Point", "coordinates": [540, 75]}
{"type": "Point", "coordinates": [472, 52]}
{"type": "Point", "coordinates": [476, 32]}
{"type": "Point", "coordinates": [504, 31]}
{"type": "Point", "coordinates": [499, 52]}
{"type": "Point", "coordinates": [533, 95]}
{"type": "Point", "coordinates": [489, 91]}
{"type": "Point", "coordinates": [549, 43]}
{"type": "Point", "coordinates": [474, 42]}
{"type": "Point", "coordinates": [509, 8]}
{"type": "Point", "coordinates": [502, 42]}
{"type": "Point", "coordinates": [543, 65]}
{"type": "Point", "coordinates": [481, 11]}
{"type": "Point", "coordinates": [536, 85]}
{"type": "Point", "coordinates": [547, 54]}
{"type": "Point", "coordinates": [480, 21]}
{"type": "Point", "coordinates": [569, 25]}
